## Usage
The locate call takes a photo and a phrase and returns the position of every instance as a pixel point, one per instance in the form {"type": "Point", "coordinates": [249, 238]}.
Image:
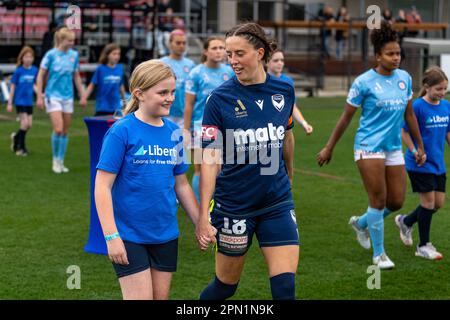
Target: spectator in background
{"type": "Point", "coordinates": [47, 40]}
{"type": "Point", "coordinates": [341, 35]}
{"type": "Point", "coordinates": [387, 15]}
{"type": "Point", "coordinates": [326, 15]}
{"type": "Point", "coordinates": [413, 17]}
{"type": "Point", "coordinates": [401, 18]}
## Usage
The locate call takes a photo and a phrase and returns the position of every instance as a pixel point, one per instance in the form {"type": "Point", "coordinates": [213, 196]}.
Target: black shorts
{"type": "Point", "coordinates": [103, 113]}
{"type": "Point", "coordinates": [162, 257]}
{"type": "Point", "coordinates": [24, 109]}
{"type": "Point", "coordinates": [427, 182]}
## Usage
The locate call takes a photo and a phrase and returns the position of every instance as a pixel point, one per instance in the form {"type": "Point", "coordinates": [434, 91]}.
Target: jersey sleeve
{"type": "Point", "coordinates": [192, 85]}
{"type": "Point", "coordinates": [15, 77]}
{"type": "Point", "coordinates": [410, 86]}
{"type": "Point", "coordinates": [113, 152]}
{"type": "Point", "coordinates": [212, 124]}
{"type": "Point", "coordinates": [290, 123]}
{"type": "Point", "coordinates": [355, 95]}
{"type": "Point", "coordinates": [95, 77]}
{"type": "Point", "coordinates": [46, 61]}
{"type": "Point", "coordinates": [76, 65]}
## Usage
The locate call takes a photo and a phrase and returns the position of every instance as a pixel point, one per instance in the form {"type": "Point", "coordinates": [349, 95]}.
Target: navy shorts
{"type": "Point", "coordinates": [24, 109]}
{"type": "Point", "coordinates": [427, 182]}
{"type": "Point", "coordinates": [274, 228]}
{"type": "Point", "coordinates": [162, 257]}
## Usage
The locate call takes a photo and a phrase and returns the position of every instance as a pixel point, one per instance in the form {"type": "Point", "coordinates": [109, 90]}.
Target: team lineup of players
{"type": "Point", "coordinates": [239, 115]}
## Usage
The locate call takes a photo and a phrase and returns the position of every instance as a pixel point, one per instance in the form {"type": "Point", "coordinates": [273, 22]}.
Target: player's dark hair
{"type": "Point", "coordinates": [380, 37]}
{"type": "Point", "coordinates": [256, 36]}
{"type": "Point", "coordinates": [207, 43]}
{"type": "Point", "coordinates": [432, 76]}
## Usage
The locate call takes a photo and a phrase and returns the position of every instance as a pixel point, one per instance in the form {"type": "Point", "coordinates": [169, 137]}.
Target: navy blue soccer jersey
{"type": "Point", "coordinates": [249, 123]}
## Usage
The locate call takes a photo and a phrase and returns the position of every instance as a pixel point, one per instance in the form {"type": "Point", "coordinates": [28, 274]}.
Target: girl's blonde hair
{"type": "Point", "coordinates": [22, 53]}
{"type": "Point", "coordinates": [106, 51]}
{"type": "Point", "coordinates": [432, 76]}
{"type": "Point", "coordinates": [61, 34]}
{"type": "Point", "coordinates": [144, 76]}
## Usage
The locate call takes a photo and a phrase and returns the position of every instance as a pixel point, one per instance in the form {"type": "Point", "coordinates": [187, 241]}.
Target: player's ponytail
{"type": "Point", "coordinates": [432, 76]}
{"type": "Point", "coordinates": [256, 36]}
{"type": "Point", "coordinates": [144, 76]}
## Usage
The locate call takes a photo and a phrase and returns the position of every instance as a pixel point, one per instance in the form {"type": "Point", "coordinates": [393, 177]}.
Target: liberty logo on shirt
{"type": "Point", "coordinates": [278, 101]}
{"type": "Point", "coordinates": [161, 155]}
{"type": "Point", "coordinates": [437, 121]}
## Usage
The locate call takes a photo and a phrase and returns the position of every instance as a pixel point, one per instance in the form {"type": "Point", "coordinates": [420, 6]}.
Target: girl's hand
{"type": "Point", "coordinates": [83, 102]}
{"type": "Point", "coordinates": [324, 156]}
{"type": "Point", "coordinates": [117, 252]}
{"type": "Point", "coordinates": [421, 157]}
{"type": "Point", "coordinates": [9, 107]}
{"type": "Point", "coordinates": [205, 234]}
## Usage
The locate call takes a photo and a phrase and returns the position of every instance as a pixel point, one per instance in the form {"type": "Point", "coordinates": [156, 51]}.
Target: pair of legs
{"type": "Point", "coordinates": [26, 121]}
{"type": "Point", "coordinates": [150, 284]}
{"type": "Point", "coordinates": [61, 123]}
{"type": "Point", "coordinates": [386, 188]}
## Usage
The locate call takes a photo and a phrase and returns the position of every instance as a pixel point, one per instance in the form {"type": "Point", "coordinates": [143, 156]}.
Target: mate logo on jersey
{"type": "Point", "coordinates": [209, 133]}
{"type": "Point", "coordinates": [260, 135]}
{"type": "Point", "coordinates": [278, 101]}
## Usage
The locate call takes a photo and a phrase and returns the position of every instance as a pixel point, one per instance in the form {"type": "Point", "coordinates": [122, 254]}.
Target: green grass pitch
{"type": "Point", "coordinates": [44, 221]}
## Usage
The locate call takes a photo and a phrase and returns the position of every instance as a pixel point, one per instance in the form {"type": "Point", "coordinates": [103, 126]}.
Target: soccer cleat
{"type": "Point", "coordinates": [405, 231]}
{"type": "Point", "coordinates": [383, 262]}
{"type": "Point", "coordinates": [21, 152]}
{"type": "Point", "coordinates": [429, 252]}
{"type": "Point", "coordinates": [362, 235]}
{"type": "Point", "coordinates": [63, 168]}
{"type": "Point", "coordinates": [56, 167]}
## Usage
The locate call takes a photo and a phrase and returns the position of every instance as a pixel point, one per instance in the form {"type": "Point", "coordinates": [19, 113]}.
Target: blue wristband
{"type": "Point", "coordinates": [110, 237]}
{"type": "Point", "coordinates": [414, 151]}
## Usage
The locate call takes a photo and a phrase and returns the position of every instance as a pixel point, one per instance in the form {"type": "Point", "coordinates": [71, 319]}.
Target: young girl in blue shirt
{"type": "Point", "coordinates": [108, 78]}
{"type": "Point", "coordinates": [140, 176]}
{"type": "Point", "coordinates": [21, 94]}
{"type": "Point", "coordinates": [433, 115]}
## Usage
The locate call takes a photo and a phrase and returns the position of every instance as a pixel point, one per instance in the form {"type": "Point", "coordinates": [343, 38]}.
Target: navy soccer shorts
{"type": "Point", "coordinates": [274, 228]}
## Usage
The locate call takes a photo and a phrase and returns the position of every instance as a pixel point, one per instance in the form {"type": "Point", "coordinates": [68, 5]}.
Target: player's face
{"type": "Point", "coordinates": [27, 59]}
{"type": "Point", "coordinates": [276, 63]}
{"type": "Point", "coordinates": [157, 100]}
{"type": "Point", "coordinates": [243, 58]}
{"type": "Point", "coordinates": [437, 92]}
{"type": "Point", "coordinates": [215, 51]}
{"type": "Point", "coordinates": [389, 59]}
{"type": "Point", "coordinates": [114, 56]}
{"type": "Point", "coordinates": [68, 42]}
{"type": "Point", "coordinates": [178, 45]}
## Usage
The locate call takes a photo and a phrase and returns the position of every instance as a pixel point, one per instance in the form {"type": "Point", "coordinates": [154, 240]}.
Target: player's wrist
{"type": "Point", "coordinates": [111, 236]}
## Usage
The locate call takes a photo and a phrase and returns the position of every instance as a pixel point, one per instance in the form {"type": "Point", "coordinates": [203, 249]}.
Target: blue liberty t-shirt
{"type": "Point", "coordinates": [60, 66]}
{"type": "Point", "coordinates": [201, 81]}
{"type": "Point", "coordinates": [434, 124]}
{"type": "Point", "coordinates": [146, 160]}
{"type": "Point", "coordinates": [383, 100]}
{"type": "Point", "coordinates": [181, 68]}
{"type": "Point", "coordinates": [248, 123]}
{"type": "Point", "coordinates": [108, 81]}
{"type": "Point", "coordinates": [24, 79]}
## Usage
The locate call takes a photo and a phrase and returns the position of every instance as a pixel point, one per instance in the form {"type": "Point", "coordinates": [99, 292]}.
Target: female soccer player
{"type": "Point", "coordinates": [275, 67]}
{"type": "Point", "coordinates": [108, 78]}
{"type": "Point", "coordinates": [201, 81]}
{"type": "Point", "coordinates": [21, 94]}
{"type": "Point", "coordinates": [384, 94]}
{"type": "Point", "coordinates": [61, 66]}
{"type": "Point", "coordinates": [139, 176]}
{"type": "Point", "coordinates": [433, 114]}
{"type": "Point", "coordinates": [181, 66]}
{"type": "Point", "coordinates": [247, 168]}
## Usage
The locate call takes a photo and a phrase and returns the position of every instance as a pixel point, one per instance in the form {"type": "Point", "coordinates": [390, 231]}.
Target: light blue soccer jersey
{"type": "Point", "coordinates": [383, 100]}
{"type": "Point", "coordinates": [60, 66]}
{"type": "Point", "coordinates": [181, 68]}
{"type": "Point", "coordinates": [201, 81]}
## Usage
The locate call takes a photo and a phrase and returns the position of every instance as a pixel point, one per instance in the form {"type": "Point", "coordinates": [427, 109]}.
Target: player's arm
{"type": "Point", "coordinates": [298, 116]}
{"type": "Point", "coordinates": [88, 91]}
{"type": "Point", "coordinates": [324, 156]}
{"type": "Point", "coordinates": [9, 106]}
{"type": "Point", "coordinates": [413, 127]}
{"type": "Point", "coordinates": [209, 169]}
{"type": "Point", "coordinates": [288, 153]}
{"type": "Point", "coordinates": [189, 100]}
{"type": "Point", "coordinates": [80, 89]}
{"type": "Point", "coordinates": [406, 137]}
{"type": "Point", "coordinates": [447, 138]}
{"type": "Point", "coordinates": [103, 200]}
{"type": "Point", "coordinates": [42, 74]}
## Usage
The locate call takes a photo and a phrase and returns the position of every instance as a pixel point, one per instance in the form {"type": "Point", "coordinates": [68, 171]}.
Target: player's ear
{"type": "Point", "coordinates": [138, 94]}
{"type": "Point", "coordinates": [261, 52]}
